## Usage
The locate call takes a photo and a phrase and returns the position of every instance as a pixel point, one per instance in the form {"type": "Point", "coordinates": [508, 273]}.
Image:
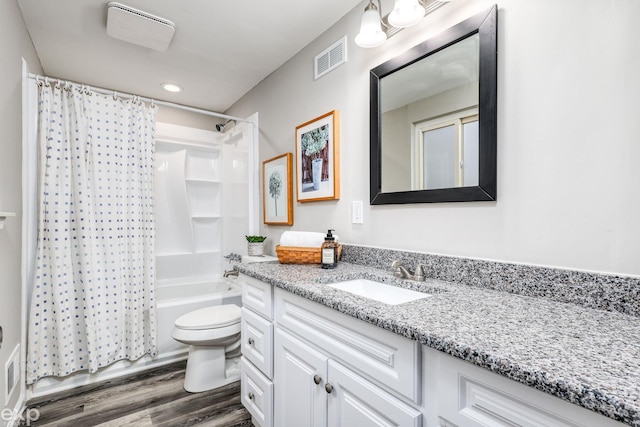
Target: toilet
{"type": "Point", "coordinates": [213, 334]}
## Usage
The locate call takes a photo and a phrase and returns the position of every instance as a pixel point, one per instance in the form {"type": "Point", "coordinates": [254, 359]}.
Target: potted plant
{"type": "Point", "coordinates": [255, 245]}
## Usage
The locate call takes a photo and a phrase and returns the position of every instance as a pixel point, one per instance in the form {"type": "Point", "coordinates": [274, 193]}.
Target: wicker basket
{"type": "Point", "coordinates": [301, 255]}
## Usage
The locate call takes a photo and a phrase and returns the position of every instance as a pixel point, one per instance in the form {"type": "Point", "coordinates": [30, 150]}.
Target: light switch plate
{"type": "Point", "coordinates": [357, 212]}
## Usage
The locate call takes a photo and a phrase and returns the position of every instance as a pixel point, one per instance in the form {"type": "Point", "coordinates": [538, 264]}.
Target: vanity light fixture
{"type": "Point", "coordinates": [171, 87]}
{"type": "Point", "coordinates": [371, 33]}
{"type": "Point", "coordinates": [406, 13]}
{"type": "Point", "coordinates": [374, 29]}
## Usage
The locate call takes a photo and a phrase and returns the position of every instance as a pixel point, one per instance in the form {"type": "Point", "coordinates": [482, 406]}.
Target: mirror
{"type": "Point", "coordinates": [433, 118]}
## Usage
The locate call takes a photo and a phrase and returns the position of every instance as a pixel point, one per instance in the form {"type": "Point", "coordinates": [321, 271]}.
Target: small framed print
{"type": "Point", "coordinates": [318, 159]}
{"type": "Point", "coordinates": [277, 190]}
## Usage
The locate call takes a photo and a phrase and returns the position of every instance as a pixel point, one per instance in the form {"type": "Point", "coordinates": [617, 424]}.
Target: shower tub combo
{"type": "Point", "coordinates": [201, 209]}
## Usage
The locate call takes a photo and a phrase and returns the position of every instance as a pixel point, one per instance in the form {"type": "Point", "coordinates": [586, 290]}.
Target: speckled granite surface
{"type": "Point", "coordinates": [586, 356]}
{"type": "Point", "coordinates": [601, 291]}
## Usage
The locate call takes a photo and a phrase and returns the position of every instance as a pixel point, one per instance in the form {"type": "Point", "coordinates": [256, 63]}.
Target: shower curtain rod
{"type": "Point", "coordinates": [127, 95]}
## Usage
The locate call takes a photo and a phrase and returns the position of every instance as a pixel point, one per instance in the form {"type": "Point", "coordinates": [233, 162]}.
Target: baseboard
{"type": "Point", "coordinates": [50, 385]}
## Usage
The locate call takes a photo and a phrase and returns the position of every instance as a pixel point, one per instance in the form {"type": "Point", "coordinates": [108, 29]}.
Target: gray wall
{"type": "Point", "coordinates": [568, 103]}
{"type": "Point", "coordinates": [176, 116]}
{"type": "Point", "coordinates": [14, 44]}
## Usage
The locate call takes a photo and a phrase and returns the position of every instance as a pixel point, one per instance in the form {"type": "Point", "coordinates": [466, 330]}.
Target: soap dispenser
{"type": "Point", "coordinates": [329, 251]}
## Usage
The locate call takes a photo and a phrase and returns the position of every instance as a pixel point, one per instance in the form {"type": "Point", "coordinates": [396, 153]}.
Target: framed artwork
{"type": "Point", "coordinates": [277, 190]}
{"type": "Point", "coordinates": [318, 159]}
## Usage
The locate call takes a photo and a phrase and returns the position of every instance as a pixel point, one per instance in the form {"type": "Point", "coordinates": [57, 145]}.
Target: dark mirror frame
{"type": "Point", "coordinates": [484, 24]}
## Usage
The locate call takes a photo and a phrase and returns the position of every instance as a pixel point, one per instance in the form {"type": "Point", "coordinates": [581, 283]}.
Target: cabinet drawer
{"type": "Point", "coordinates": [256, 393]}
{"type": "Point", "coordinates": [257, 341]}
{"type": "Point", "coordinates": [257, 295]}
{"type": "Point", "coordinates": [383, 357]}
{"type": "Point", "coordinates": [459, 393]}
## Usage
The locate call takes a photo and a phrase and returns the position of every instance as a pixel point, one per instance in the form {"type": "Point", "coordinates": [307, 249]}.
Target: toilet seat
{"type": "Point", "coordinates": [217, 316]}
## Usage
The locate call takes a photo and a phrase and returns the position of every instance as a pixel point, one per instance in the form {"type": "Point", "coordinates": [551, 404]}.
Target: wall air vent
{"type": "Point", "coordinates": [138, 27]}
{"type": "Point", "coordinates": [330, 58]}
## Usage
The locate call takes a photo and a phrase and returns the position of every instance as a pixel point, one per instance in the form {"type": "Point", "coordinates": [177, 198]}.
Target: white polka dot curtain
{"type": "Point", "coordinates": [93, 297]}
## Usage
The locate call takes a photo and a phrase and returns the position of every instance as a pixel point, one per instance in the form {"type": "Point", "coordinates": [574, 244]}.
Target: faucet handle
{"type": "Point", "coordinates": [395, 265]}
{"type": "Point", "coordinates": [419, 273]}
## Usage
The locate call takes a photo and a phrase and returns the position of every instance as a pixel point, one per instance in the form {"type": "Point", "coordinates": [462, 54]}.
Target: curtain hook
{"type": "Point", "coordinates": [115, 95]}
{"type": "Point", "coordinates": [46, 81]}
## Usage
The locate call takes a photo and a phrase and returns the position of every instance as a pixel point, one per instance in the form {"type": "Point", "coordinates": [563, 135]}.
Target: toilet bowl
{"type": "Point", "coordinates": [213, 334]}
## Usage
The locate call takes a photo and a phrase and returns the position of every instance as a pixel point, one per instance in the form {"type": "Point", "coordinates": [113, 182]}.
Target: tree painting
{"type": "Point", "coordinates": [314, 159]}
{"type": "Point", "coordinates": [313, 142]}
{"type": "Point", "coordinates": [275, 186]}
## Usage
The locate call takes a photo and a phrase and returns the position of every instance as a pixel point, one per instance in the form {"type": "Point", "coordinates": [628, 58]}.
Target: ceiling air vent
{"type": "Point", "coordinates": [138, 27]}
{"type": "Point", "coordinates": [330, 58]}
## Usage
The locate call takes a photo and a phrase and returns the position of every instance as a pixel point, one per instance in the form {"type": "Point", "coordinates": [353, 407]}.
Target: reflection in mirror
{"type": "Point", "coordinates": [433, 110]}
{"type": "Point", "coordinates": [429, 112]}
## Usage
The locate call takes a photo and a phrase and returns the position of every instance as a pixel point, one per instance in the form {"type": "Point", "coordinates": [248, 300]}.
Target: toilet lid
{"type": "Point", "coordinates": [216, 316]}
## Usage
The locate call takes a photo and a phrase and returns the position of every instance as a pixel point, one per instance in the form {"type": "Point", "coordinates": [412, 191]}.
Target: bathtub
{"type": "Point", "coordinates": [174, 300]}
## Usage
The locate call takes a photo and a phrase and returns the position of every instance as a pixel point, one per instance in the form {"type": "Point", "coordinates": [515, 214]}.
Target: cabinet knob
{"type": "Point", "coordinates": [317, 379]}
{"type": "Point", "coordinates": [250, 341]}
{"type": "Point", "coordinates": [250, 396]}
{"type": "Point", "coordinates": [328, 387]}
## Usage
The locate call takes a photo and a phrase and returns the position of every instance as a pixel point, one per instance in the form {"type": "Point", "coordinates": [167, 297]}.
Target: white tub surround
{"type": "Point", "coordinates": [584, 356]}
{"type": "Point", "coordinates": [194, 181]}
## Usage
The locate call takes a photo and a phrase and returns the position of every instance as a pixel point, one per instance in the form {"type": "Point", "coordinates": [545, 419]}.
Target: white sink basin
{"type": "Point", "coordinates": [382, 292]}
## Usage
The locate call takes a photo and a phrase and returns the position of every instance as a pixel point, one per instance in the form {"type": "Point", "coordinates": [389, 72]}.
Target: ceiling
{"type": "Point", "coordinates": [220, 50]}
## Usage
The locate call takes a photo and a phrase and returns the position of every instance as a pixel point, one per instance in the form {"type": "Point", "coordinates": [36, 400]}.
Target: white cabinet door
{"type": "Point", "coordinates": [300, 372]}
{"type": "Point", "coordinates": [354, 401]}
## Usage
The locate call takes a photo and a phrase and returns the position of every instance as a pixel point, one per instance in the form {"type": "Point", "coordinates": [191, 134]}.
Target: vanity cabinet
{"type": "Point", "coordinates": [256, 363]}
{"type": "Point", "coordinates": [334, 370]}
{"type": "Point", "coordinates": [305, 364]}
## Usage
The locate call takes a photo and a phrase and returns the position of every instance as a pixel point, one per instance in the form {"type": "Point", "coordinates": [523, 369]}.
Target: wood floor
{"type": "Point", "coordinates": [153, 398]}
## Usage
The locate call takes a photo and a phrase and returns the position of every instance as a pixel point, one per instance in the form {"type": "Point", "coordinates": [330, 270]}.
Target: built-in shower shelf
{"type": "Point", "coordinates": [4, 216]}
{"type": "Point", "coordinates": [205, 180]}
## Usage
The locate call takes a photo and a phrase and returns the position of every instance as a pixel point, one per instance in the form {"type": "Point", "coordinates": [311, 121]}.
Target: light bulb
{"type": "Point", "coordinates": [371, 34]}
{"type": "Point", "coordinates": [406, 13]}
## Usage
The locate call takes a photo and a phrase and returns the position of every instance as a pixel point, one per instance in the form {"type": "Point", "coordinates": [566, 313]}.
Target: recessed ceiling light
{"type": "Point", "coordinates": [171, 87]}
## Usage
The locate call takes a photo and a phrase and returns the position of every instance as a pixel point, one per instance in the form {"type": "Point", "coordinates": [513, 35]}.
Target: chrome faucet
{"type": "Point", "coordinates": [232, 258]}
{"type": "Point", "coordinates": [400, 270]}
{"type": "Point", "coordinates": [228, 273]}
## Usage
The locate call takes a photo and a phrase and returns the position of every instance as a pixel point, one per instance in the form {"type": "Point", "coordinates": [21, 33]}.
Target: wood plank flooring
{"type": "Point", "coordinates": [154, 398]}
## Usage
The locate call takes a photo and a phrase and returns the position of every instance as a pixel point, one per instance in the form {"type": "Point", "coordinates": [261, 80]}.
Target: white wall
{"type": "Point", "coordinates": [14, 44]}
{"type": "Point", "coordinates": [568, 109]}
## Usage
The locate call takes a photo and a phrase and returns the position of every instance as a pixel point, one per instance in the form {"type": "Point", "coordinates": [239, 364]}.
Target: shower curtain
{"type": "Point", "coordinates": [93, 296]}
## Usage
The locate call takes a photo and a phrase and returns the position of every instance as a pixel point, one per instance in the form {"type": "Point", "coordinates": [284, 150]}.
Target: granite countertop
{"type": "Point", "coordinates": [585, 356]}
